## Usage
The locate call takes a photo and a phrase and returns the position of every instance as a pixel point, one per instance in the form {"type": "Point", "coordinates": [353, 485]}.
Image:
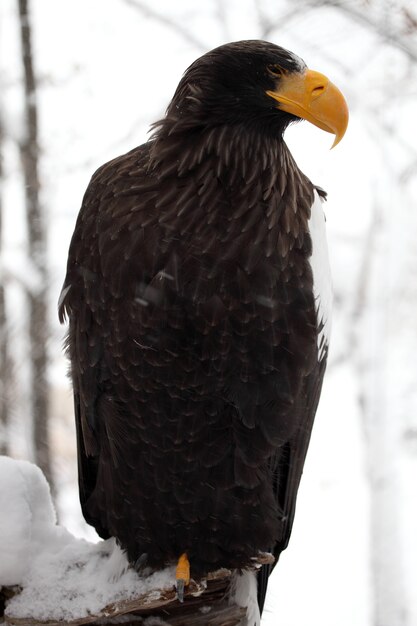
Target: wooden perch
{"type": "Point", "coordinates": [205, 603]}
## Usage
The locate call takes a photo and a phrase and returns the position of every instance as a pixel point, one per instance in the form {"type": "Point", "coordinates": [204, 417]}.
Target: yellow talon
{"type": "Point", "coordinates": [182, 575]}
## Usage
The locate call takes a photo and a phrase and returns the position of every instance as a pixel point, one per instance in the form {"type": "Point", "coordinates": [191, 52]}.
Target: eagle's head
{"type": "Point", "coordinates": [260, 85]}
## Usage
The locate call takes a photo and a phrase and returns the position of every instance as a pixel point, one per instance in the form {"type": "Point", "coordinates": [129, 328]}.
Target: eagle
{"type": "Point", "coordinates": [198, 297]}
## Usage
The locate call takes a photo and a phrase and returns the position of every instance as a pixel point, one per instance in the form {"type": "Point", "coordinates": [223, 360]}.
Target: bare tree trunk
{"type": "Point", "coordinates": [4, 334]}
{"type": "Point", "coordinates": [36, 232]}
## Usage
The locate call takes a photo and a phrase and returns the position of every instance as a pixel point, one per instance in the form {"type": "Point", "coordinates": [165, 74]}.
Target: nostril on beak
{"type": "Point", "coordinates": [317, 91]}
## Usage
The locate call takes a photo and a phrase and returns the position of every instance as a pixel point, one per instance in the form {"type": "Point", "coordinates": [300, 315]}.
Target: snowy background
{"type": "Point", "coordinates": [106, 69]}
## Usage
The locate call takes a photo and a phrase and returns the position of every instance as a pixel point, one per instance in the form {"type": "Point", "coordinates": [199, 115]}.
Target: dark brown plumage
{"type": "Point", "coordinates": [193, 325]}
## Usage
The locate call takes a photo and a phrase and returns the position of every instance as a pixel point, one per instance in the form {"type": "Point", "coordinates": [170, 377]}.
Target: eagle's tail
{"type": "Point", "coordinates": [243, 592]}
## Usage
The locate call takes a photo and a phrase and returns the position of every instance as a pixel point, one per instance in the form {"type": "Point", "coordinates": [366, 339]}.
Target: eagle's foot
{"type": "Point", "coordinates": [262, 558]}
{"type": "Point", "coordinates": [182, 576]}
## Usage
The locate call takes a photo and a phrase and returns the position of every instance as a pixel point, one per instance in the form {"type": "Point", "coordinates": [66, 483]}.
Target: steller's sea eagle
{"type": "Point", "coordinates": [198, 295]}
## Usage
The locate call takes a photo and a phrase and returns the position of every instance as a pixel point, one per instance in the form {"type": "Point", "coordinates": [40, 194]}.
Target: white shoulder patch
{"type": "Point", "coordinates": [244, 593]}
{"type": "Point", "coordinates": [322, 282]}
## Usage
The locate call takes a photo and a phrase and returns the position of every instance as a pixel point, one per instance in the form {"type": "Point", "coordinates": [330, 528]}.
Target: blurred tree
{"type": "Point", "coordinates": [36, 234]}
{"type": "Point", "coordinates": [4, 331]}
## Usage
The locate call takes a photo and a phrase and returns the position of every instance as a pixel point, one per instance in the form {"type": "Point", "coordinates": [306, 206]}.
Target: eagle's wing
{"type": "Point", "coordinates": [287, 468]}
{"type": "Point", "coordinates": [287, 464]}
{"type": "Point", "coordinates": [84, 302]}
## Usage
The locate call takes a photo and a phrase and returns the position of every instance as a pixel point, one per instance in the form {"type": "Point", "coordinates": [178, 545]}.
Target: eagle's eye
{"type": "Point", "coordinates": [276, 71]}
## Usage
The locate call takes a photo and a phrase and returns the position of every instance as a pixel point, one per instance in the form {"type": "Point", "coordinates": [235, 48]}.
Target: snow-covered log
{"type": "Point", "coordinates": [204, 605]}
{"type": "Point", "coordinates": [48, 576]}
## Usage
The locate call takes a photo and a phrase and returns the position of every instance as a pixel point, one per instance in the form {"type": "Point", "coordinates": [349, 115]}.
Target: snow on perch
{"type": "Point", "coordinates": [62, 578]}
{"type": "Point", "coordinates": [65, 580]}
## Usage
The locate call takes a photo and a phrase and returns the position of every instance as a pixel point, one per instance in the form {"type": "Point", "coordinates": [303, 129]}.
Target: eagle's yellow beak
{"type": "Point", "coordinates": [311, 96]}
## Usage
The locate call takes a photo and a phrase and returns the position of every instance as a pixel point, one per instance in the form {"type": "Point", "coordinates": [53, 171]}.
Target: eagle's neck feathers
{"type": "Point", "coordinates": [250, 189]}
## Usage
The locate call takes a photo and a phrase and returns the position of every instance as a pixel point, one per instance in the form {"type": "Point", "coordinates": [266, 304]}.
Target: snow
{"type": "Point", "coordinates": [27, 517]}
{"type": "Point", "coordinates": [63, 578]}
